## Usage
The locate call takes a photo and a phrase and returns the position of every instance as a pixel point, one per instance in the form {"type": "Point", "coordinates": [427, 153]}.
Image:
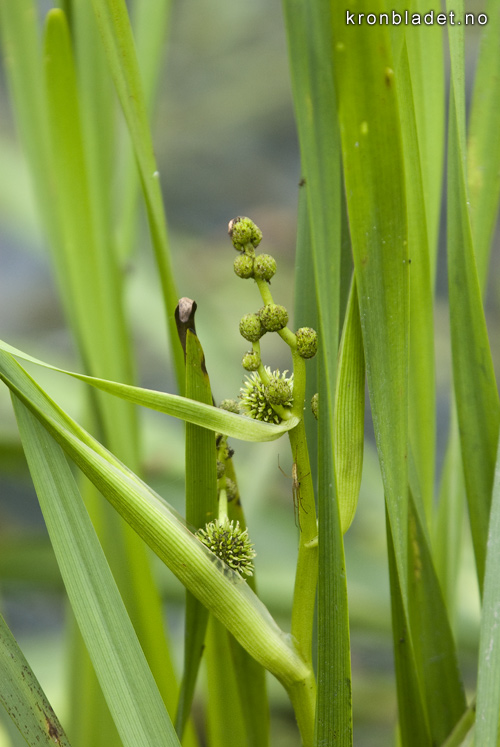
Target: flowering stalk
{"type": "Point", "coordinates": [267, 396]}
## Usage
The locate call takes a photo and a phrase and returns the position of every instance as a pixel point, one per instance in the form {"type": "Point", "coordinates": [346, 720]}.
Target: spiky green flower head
{"type": "Point", "coordinates": [251, 361]}
{"type": "Point", "coordinates": [251, 327]}
{"type": "Point", "coordinates": [230, 543]}
{"type": "Point", "coordinates": [254, 395]}
{"type": "Point", "coordinates": [244, 233]}
{"type": "Point", "coordinates": [264, 267]}
{"type": "Point", "coordinates": [273, 317]}
{"type": "Point", "coordinates": [314, 405]}
{"type": "Point", "coordinates": [243, 266]}
{"type": "Point", "coordinates": [307, 342]}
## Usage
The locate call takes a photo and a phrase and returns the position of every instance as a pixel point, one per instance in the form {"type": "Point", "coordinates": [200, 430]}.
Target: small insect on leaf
{"type": "Point", "coordinates": [297, 500]}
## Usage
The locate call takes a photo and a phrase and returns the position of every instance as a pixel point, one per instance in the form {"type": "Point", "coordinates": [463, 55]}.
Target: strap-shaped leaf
{"type": "Point", "coordinates": [23, 698]}
{"type": "Point", "coordinates": [375, 192]}
{"type": "Point", "coordinates": [219, 588]}
{"type": "Point", "coordinates": [201, 507]}
{"type": "Point", "coordinates": [189, 410]}
{"type": "Point", "coordinates": [350, 413]}
{"type": "Point", "coordinates": [126, 680]}
{"type": "Point", "coordinates": [488, 679]}
{"type": "Point", "coordinates": [116, 33]}
{"type": "Point", "coordinates": [483, 152]}
{"type": "Point", "coordinates": [478, 406]}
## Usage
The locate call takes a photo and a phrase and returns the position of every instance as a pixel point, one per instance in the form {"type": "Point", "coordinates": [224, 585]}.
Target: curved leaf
{"type": "Point", "coordinates": [218, 587]}
{"type": "Point", "coordinates": [221, 421]}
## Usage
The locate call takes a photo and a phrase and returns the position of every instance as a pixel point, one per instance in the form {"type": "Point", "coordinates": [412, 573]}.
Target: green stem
{"type": "Point", "coordinates": [264, 291]}
{"type": "Point", "coordinates": [222, 503]}
{"type": "Point", "coordinates": [303, 698]}
{"type": "Point", "coordinates": [307, 562]}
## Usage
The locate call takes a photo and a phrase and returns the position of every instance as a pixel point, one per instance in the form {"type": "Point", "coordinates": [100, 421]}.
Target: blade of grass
{"type": "Point", "coordinates": [22, 696]}
{"type": "Point", "coordinates": [433, 645]}
{"type": "Point", "coordinates": [483, 151]}
{"type": "Point", "coordinates": [310, 44]}
{"type": "Point", "coordinates": [123, 673]}
{"type": "Point", "coordinates": [114, 26]}
{"type": "Point", "coordinates": [215, 584]}
{"type": "Point", "coordinates": [334, 705]}
{"type": "Point", "coordinates": [413, 723]}
{"type": "Point", "coordinates": [225, 723]}
{"type": "Point", "coordinates": [449, 526]}
{"type": "Point", "coordinates": [22, 54]}
{"type": "Point", "coordinates": [201, 507]}
{"type": "Point", "coordinates": [488, 676]}
{"type": "Point", "coordinates": [477, 400]}
{"type": "Point", "coordinates": [426, 66]}
{"type": "Point", "coordinates": [350, 413]}
{"type": "Point", "coordinates": [91, 272]}
{"type": "Point", "coordinates": [375, 191]}
{"type": "Point", "coordinates": [150, 20]}
{"type": "Point", "coordinates": [422, 402]}
{"type": "Point", "coordinates": [179, 407]}
{"type": "Point", "coordinates": [89, 269]}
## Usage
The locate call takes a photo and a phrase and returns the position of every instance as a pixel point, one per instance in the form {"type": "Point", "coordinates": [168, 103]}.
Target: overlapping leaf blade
{"type": "Point", "coordinates": [22, 696]}
{"type": "Point", "coordinates": [125, 678]}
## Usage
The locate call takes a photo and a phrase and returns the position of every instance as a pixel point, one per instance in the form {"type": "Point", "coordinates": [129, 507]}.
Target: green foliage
{"type": "Point", "coordinates": [369, 102]}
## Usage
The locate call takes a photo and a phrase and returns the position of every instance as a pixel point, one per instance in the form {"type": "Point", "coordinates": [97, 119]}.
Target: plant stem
{"type": "Point", "coordinates": [303, 698]}
{"type": "Point", "coordinates": [307, 562]}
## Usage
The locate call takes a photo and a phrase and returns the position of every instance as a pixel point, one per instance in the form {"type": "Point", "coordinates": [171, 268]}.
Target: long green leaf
{"type": "Point", "coordinates": [488, 676]}
{"type": "Point", "coordinates": [350, 413]}
{"type": "Point", "coordinates": [427, 73]}
{"type": "Point", "coordinates": [375, 190]}
{"type": "Point", "coordinates": [150, 20]}
{"type": "Point", "coordinates": [23, 698]}
{"type": "Point", "coordinates": [88, 270]}
{"type": "Point", "coordinates": [116, 33]}
{"type": "Point", "coordinates": [220, 589]}
{"type": "Point", "coordinates": [310, 54]}
{"type": "Point", "coordinates": [483, 152]}
{"type": "Point", "coordinates": [201, 507]}
{"type": "Point", "coordinates": [422, 403]}
{"type": "Point", "coordinates": [413, 722]}
{"type": "Point", "coordinates": [225, 723]}
{"type": "Point", "coordinates": [179, 407]}
{"type": "Point", "coordinates": [477, 399]}
{"type": "Point", "coordinates": [125, 678]}
{"type": "Point", "coordinates": [433, 645]}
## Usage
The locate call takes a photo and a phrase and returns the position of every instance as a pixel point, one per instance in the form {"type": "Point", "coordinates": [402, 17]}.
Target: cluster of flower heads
{"type": "Point", "coordinates": [265, 393]}
{"type": "Point", "coordinates": [229, 542]}
{"type": "Point", "coordinates": [258, 396]}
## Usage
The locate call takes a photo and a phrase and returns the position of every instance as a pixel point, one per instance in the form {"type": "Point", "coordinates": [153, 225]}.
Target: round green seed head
{"type": "Point", "coordinates": [278, 392]}
{"type": "Point", "coordinates": [264, 267]}
{"type": "Point", "coordinates": [231, 489]}
{"type": "Point", "coordinates": [314, 405]}
{"type": "Point", "coordinates": [251, 327]}
{"type": "Point", "coordinates": [307, 342]}
{"type": "Point", "coordinates": [251, 361]}
{"type": "Point", "coordinates": [232, 405]}
{"type": "Point", "coordinates": [243, 231]}
{"type": "Point", "coordinates": [243, 266]}
{"type": "Point", "coordinates": [273, 317]}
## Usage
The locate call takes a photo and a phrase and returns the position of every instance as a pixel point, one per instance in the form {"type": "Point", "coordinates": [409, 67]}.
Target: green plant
{"type": "Point", "coordinates": [370, 111]}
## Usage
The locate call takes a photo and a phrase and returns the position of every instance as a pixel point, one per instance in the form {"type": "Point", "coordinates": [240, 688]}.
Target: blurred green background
{"type": "Point", "coordinates": [226, 144]}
